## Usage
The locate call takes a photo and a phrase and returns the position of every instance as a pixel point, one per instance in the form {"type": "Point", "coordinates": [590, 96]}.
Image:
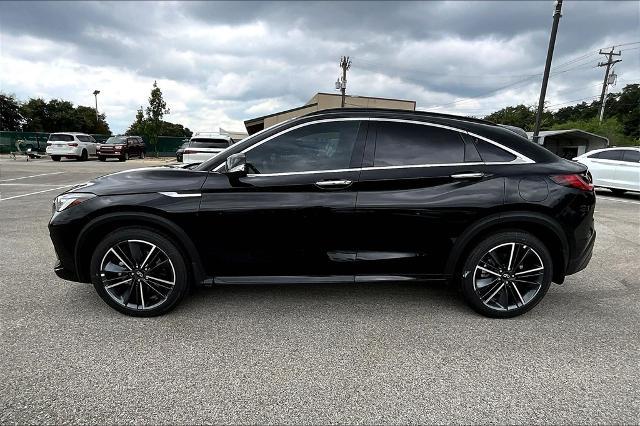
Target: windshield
{"type": "Point", "coordinates": [116, 139]}
{"type": "Point", "coordinates": [58, 137]}
{"type": "Point", "coordinates": [208, 143]}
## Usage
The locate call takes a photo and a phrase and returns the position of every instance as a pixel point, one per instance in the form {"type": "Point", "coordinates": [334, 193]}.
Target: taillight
{"type": "Point", "coordinates": [189, 151]}
{"type": "Point", "coordinates": [72, 144]}
{"type": "Point", "coordinates": [573, 181]}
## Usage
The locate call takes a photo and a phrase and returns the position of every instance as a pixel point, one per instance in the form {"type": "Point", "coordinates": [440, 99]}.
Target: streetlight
{"type": "Point", "coordinates": [95, 93]}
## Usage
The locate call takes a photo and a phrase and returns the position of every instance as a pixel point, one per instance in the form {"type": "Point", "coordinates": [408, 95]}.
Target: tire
{"type": "Point", "coordinates": [509, 293]}
{"type": "Point", "coordinates": [55, 157]}
{"type": "Point", "coordinates": [124, 157]}
{"type": "Point", "coordinates": [101, 158]}
{"type": "Point", "coordinates": [142, 155]}
{"type": "Point", "coordinates": [617, 191]}
{"type": "Point", "coordinates": [165, 260]}
{"type": "Point", "coordinates": [84, 156]}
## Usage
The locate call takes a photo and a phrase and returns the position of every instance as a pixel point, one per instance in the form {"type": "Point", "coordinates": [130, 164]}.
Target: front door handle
{"type": "Point", "coordinates": [334, 184]}
{"type": "Point", "coordinates": [468, 176]}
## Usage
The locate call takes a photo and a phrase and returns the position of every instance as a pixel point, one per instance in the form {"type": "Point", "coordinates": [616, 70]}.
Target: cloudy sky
{"type": "Point", "coordinates": [221, 63]}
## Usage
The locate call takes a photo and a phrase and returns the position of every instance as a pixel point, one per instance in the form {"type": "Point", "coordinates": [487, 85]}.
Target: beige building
{"type": "Point", "coordinates": [321, 101]}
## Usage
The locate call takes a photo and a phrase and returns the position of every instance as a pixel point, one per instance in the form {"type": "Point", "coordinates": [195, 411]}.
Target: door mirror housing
{"type": "Point", "coordinates": [237, 164]}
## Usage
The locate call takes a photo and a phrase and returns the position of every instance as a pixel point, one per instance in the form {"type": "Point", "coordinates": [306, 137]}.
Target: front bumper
{"type": "Point", "coordinates": [110, 154]}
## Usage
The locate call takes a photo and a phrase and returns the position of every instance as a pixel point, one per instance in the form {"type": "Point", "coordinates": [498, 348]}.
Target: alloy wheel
{"type": "Point", "coordinates": [137, 274]}
{"type": "Point", "coordinates": [509, 276]}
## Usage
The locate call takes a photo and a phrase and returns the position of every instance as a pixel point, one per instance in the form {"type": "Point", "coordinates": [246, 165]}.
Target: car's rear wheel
{"type": "Point", "coordinates": [142, 155]}
{"type": "Point", "coordinates": [55, 157]}
{"type": "Point", "coordinates": [139, 272]}
{"type": "Point", "coordinates": [507, 274]}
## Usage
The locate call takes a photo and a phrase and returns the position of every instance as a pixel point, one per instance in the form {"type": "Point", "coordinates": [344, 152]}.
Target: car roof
{"type": "Point", "coordinates": [210, 135]}
{"type": "Point", "coordinates": [406, 114]}
{"type": "Point", "coordinates": [69, 133]}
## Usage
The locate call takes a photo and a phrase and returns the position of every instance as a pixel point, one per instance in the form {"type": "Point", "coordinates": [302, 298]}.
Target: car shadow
{"type": "Point", "coordinates": [629, 195]}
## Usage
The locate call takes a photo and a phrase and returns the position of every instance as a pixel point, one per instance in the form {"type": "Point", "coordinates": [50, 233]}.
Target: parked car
{"type": "Point", "coordinates": [337, 196]}
{"type": "Point", "coordinates": [71, 145]}
{"type": "Point", "coordinates": [203, 146]}
{"type": "Point", "coordinates": [122, 148]}
{"type": "Point", "coordinates": [615, 168]}
{"type": "Point", "coordinates": [180, 152]}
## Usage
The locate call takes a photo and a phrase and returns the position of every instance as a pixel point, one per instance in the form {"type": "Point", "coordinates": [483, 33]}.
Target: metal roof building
{"type": "Point", "coordinates": [322, 101]}
{"type": "Point", "coordinates": [570, 143]}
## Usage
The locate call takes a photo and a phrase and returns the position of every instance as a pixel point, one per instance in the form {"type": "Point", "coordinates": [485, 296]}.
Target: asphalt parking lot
{"type": "Point", "coordinates": [391, 353]}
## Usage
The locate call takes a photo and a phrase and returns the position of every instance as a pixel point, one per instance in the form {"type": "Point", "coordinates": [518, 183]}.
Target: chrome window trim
{"type": "Point", "coordinates": [173, 194]}
{"type": "Point", "coordinates": [520, 158]}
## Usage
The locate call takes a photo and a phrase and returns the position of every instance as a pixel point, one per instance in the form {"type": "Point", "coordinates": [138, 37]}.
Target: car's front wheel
{"type": "Point", "coordinates": [139, 272]}
{"type": "Point", "coordinates": [506, 274]}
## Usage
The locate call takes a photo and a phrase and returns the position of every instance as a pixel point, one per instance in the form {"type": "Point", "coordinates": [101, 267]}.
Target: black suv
{"type": "Point", "coordinates": [121, 147]}
{"type": "Point", "coordinates": [338, 196]}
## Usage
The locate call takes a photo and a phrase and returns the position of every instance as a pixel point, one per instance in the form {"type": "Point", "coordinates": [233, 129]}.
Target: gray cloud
{"type": "Point", "coordinates": [231, 59]}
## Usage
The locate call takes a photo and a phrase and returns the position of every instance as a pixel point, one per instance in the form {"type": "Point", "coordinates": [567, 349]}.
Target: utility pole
{"type": "Point", "coordinates": [95, 93]}
{"type": "Point", "coordinates": [605, 83]}
{"type": "Point", "coordinates": [341, 84]}
{"type": "Point", "coordinates": [545, 78]}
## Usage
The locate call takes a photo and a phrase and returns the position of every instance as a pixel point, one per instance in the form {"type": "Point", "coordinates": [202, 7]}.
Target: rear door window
{"type": "Point", "coordinates": [613, 154]}
{"type": "Point", "coordinates": [208, 143]}
{"type": "Point", "coordinates": [406, 144]}
{"type": "Point", "coordinates": [83, 138]}
{"type": "Point", "coordinates": [631, 156]}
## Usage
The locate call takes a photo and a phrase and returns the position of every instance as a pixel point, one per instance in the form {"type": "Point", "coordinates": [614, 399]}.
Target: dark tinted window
{"type": "Point", "coordinates": [208, 143]}
{"type": "Point", "coordinates": [324, 146]}
{"type": "Point", "coordinates": [60, 138]}
{"type": "Point", "coordinates": [83, 138]}
{"type": "Point", "coordinates": [631, 156]}
{"type": "Point", "coordinates": [491, 153]}
{"type": "Point", "coordinates": [614, 154]}
{"type": "Point", "coordinates": [401, 144]}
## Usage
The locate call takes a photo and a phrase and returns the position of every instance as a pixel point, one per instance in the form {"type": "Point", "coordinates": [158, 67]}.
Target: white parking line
{"type": "Point", "coordinates": [32, 176]}
{"type": "Point", "coordinates": [615, 200]}
{"type": "Point", "coordinates": [29, 184]}
{"type": "Point", "coordinates": [38, 192]}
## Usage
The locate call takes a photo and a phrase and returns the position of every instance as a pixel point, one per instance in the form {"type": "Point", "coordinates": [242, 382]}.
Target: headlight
{"type": "Point", "coordinates": [65, 201]}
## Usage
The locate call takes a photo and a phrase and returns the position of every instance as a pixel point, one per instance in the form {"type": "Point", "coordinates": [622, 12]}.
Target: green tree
{"type": "Point", "coordinates": [60, 116]}
{"type": "Point", "coordinates": [155, 112]}
{"type": "Point", "coordinates": [611, 128]}
{"type": "Point", "coordinates": [34, 112]}
{"type": "Point", "coordinates": [172, 129]}
{"type": "Point", "coordinates": [522, 116]}
{"type": "Point", "coordinates": [10, 118]}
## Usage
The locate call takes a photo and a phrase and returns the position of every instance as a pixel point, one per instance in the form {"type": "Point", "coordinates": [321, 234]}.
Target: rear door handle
{"type": "Point", "coordinates": [468, 176]}
{"type": "Point", "coordinates": [334, 184]}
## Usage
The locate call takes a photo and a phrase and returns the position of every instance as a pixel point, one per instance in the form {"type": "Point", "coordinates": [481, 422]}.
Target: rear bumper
{"type": "Point", "coordinates": [581, 261]}
{"type": "Point", "coordinates": [63, 151]}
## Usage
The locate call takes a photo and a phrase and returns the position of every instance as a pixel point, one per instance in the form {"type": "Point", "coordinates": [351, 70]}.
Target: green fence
{"type": "Point", "coordinates": [167, 145]}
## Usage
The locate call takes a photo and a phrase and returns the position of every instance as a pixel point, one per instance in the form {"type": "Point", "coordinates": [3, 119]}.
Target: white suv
{"type": "Point", "coordinates": [615, 168]}
{"type": "Point", "coordinates": [203, 146]}
{"type": "Point", "coordinates": [71, 145]}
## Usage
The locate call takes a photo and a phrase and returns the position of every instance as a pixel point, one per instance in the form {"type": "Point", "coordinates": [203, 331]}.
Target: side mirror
{"type": "Point", "coordinates": [237, 164]}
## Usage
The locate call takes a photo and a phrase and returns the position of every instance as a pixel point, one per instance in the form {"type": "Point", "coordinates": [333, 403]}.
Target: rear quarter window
{"type": "Point", "coordinates": [491, 153]}
{"type": "Point", "coordinates": [83, 138]}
